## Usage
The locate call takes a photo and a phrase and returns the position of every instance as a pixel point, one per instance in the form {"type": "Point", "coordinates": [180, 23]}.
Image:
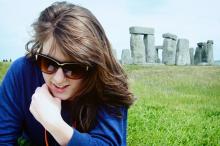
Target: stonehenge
{"type": "Point", "coordinates": [204, 53]}
{"type": "Point", "coordinates": [210, 58]}
{"type": "Point", "coordinates": [137, 49]}
{"type": "Point", "coordinates": [169, 48]}
{"type": "Point", "coordinates": [175, 51]}
{"type": "Point", "coordinates": [191, 53]}
{"type": "Point", "coordinates": [182, 52]}
{"type": "Point", "coordinates": [198, 53]}
{"type": "Point", "coordinates": [126, 57]}
{"type": "Point", "coordinates": [142, 45]}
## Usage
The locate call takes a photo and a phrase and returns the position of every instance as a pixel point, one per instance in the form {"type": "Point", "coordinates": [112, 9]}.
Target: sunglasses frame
{"type": "Point", "coordinates": [58, 63]}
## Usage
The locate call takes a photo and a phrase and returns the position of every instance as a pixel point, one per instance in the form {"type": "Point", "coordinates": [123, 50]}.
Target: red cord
{"type": "Point", "coordinates": [45, 137]}
{"type": "Point", "coordinates": [45, 134]}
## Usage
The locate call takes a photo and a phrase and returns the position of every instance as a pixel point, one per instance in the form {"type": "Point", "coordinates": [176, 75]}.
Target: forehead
{"type": "Point", "coordinates": [52, 49]}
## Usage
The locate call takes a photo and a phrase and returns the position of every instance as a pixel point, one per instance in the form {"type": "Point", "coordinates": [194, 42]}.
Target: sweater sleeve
{"type": "Point", "coordinates": [110, 131]}
{"type": "Point", "coordinates": [10, 106]}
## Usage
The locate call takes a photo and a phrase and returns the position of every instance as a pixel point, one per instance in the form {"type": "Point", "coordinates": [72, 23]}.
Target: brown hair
{"type": "Point", "coordinates": [80, 35]}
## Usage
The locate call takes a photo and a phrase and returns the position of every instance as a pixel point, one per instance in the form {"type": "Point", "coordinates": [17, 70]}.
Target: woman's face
{"type": "Point", "coordinates": [59, 86]}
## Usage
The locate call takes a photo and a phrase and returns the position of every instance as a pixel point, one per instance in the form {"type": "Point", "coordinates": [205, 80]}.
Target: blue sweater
{"type": "Point", "coordinates": [16, 91]}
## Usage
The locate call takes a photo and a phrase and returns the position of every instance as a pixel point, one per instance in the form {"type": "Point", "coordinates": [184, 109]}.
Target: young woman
{"type": "Point", "coordinates": [68, 89]}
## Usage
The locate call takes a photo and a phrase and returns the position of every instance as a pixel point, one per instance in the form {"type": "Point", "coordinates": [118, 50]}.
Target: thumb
{"type": "Point", "coordinates": [46, 89]}
{"type": "Point", "coordinates": [44, 86]}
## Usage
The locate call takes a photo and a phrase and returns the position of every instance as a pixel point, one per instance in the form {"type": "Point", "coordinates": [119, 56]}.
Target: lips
{"type": "Point", "coordinates": [58, 89]}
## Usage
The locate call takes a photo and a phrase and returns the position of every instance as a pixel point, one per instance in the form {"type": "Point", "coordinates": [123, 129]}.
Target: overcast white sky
{"type": "Point", "coordinates": [196, 20]}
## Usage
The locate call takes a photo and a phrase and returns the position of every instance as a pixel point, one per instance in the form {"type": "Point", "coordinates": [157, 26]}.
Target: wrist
{"type": "Point", "coordinates": [51, 123]}
{"type": "Point", "coordinates": [61, 131]}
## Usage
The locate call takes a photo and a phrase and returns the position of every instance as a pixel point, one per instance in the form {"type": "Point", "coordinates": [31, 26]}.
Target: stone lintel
{"type": "Point", "coordinates": [141, 30]}
{"type": "Point", "coordinates": [169, 36]}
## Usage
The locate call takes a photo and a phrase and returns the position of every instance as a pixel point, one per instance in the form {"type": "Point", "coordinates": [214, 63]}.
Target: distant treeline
{"type": "Point", "coordinates": [7, 60]}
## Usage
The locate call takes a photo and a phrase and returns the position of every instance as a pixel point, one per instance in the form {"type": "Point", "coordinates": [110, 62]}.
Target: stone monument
{"type": "Point", "coordinates": [169, 48]}
{"type": "Point", "coordinates": [126, 57]}
{"type": "Point", "coordinates": [198, 53]}
{"type": "Point", "coordinates": [182, 52]}
{"type": "Point", "coordinates": [142, 45]}
{"type": "Point", "coordinates": [210, 59]}
{"type": "Point", "coordinates": [191, 53]}
{"type": "Point", "coordinates": [204, 53]}
{"type": "Point", "coordinates": [143, 49]}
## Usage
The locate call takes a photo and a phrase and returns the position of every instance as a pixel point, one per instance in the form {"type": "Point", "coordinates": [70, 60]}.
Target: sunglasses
{"type": "Point", "coordinates": [71, 70]}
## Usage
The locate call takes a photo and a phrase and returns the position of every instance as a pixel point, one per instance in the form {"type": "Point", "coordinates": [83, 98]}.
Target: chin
{"type": "Point", "coordinates": [61, 96]}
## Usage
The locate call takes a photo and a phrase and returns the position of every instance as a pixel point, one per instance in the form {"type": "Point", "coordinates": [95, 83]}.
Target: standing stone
{"type": "Point", "coordinates": [198, 53]}
{"type": "Point", "coordinates": [204, 53]}
{"type": "Point", "coordinates": [182, 54]}
{"type": "Point", "coordinates": [157, 55]}
{"type": "Point", "coordinates": [150, 50]}
{"type": "Point", "coordinates": [137, 49]}
{"type": "Point", "coordinates": [191, 53]}
{"type": "Point", "coordinates": [169, 49]}
{"type": "Point", "coordinates": [210, 59]}
{"type": "Point", "coordinates": [126, 57]}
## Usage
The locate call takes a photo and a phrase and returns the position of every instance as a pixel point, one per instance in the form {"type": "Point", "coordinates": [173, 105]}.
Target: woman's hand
{"type": "Point", "coordinates": [45, 108]}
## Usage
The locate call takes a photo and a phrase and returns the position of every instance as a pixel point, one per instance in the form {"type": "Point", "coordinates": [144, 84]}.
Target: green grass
{"type": "Point", "coordinates": [3, 69]}
{"type": "Point", "coordinates": [176, 105]}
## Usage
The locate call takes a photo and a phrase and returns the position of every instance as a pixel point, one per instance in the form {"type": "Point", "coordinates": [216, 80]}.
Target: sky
{"type": "Point", "coordinates": [195, 20]}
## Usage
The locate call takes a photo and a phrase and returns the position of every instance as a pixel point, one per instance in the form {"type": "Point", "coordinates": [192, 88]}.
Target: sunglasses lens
{"type": "Point", "coordinates": [46, 65]}
{"type": "Point", "coordinates": [74, 71]}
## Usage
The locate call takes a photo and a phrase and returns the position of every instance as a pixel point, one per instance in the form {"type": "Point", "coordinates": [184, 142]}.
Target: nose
{"type": "Point", "coordinates": [59, 76]}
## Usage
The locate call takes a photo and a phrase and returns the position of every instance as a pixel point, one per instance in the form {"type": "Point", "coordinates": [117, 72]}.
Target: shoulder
{"type": "Point", "coordinates": [22, 70]}
{"type": "Point", "coordinates": [23, 66]}
{"type": "Point", "coordinates": [21, 79]}
{"type": "Point", "coordinates": [22, 63]}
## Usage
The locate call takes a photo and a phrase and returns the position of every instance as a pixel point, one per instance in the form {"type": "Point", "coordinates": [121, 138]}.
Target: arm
{"type": "Point", "coordinates": [109, 130]}
{"type": "Point", "coordinates": [10, 107]}
{"type": "Point", "coordinates": [46, 109]}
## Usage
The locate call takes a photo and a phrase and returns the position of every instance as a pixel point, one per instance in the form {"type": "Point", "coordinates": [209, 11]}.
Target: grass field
{"type": "Point", "coordinates": [176, 105]}
{"type": "Point", "coordinates": [3, 68]}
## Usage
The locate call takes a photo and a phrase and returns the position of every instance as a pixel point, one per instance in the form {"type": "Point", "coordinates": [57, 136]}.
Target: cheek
{"type": "Point", "coordinates": [75, 84]}
{"type": "Point", "coordinates": [46, 77]}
